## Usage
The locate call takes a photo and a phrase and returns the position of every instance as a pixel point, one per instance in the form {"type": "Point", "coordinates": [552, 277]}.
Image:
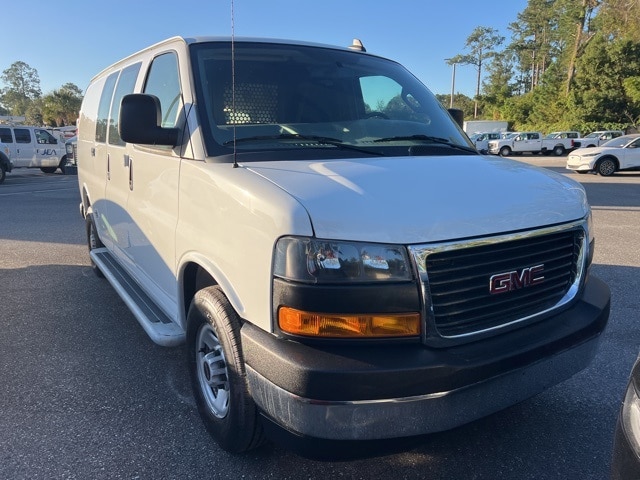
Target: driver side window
{"type": "Point", "coordinates": [163, 81]}
{"type": "Point", "coordinates": [383, 97]}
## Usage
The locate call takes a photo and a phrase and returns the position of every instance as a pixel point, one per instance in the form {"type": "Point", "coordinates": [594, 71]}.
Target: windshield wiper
{"type": "Point", "coordinates": [427, 138]}
{"type": "Point", "coordinates": [314, 138]}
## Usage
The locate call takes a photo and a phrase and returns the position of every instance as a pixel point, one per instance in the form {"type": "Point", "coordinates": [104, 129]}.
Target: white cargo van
{"type": "Point", "coordinates": [33, 147]}
{"type": "Point", "coordinates": [340, 261]}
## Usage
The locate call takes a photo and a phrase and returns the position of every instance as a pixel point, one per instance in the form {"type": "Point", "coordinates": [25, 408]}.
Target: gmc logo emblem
{"type": "Point", "coordinates": [509, 281]}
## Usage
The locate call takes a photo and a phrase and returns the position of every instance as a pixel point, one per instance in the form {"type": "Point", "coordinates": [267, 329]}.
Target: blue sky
{"type": "Point", "coordinates": [71, 41]}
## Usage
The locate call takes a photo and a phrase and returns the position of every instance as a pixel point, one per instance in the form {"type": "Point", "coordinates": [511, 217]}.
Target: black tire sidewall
{"type": "Point", "coordinates": [239, 430]}
{"type": "Point", "coordinates": [604, 160]}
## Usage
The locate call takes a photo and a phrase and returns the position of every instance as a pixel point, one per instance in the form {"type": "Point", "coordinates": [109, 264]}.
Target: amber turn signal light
{"type": "Point", "coordinates": [333, 325]}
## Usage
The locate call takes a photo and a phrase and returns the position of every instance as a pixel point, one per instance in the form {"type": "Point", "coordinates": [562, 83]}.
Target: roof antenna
{"type": "Point", "coordinates": [233, 87]}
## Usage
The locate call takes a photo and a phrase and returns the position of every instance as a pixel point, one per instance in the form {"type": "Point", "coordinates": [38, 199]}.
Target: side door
{"type": "Point", "coordinates": [153, 190]}
{"type": "Point", "coordinates": [534, 142]}
{"type": "Point", "coordinates": [49, 151]}
{"type": "Point", "coordinates": [6, 137]}
{"type": "Point", "coordinates": [116, 191]}
{"type": "Point", "coordinates": [93, 152]}
{"type": "Point", "coordinates": [631, 157]}
{"type": "Point", "coordinates": [25, 152]}
{"type": "Point", "coordinates": [520, 143]}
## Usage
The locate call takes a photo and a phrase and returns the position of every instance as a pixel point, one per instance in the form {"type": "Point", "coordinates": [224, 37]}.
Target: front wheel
{"type": "Point", "coordinates": [606, 167]}
{"type": "Point", "coordinates": [217, 370]}
{"type": "Point", "coordinates": [3, 173]}
{"type": "Point", "coordinates": [505, 151]}
{"type": "Point", "coordinates": [62, 165]}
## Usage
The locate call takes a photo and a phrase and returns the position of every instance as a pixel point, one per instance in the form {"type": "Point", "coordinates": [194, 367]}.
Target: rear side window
{"type": "Point", "coordinates": [103, 108]}
{"type": "Point", "coordinates": [163, 81]}
{"type": "Point", "coordinates": [23, 135]}
{"type": "Point", "coordinates": [126, 84]}
{"type": "Point", "coordinates": [5, 135]}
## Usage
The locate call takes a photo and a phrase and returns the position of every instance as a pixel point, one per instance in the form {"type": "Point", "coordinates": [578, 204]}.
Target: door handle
{"type": "Point", "coordinates": [130, 174]}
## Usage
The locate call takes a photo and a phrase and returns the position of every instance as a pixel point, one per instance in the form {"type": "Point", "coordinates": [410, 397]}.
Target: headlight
{"type": "Point", "coordinates": [331, 261]}
{"type": "Point", "coordinates": [590, 154]}
{"type": "Point", "coordinates": [631, 416]}
{"type": "Point", "coordinates": [333, 289]}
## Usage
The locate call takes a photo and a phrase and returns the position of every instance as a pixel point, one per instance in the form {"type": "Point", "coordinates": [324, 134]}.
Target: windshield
{"type": "Point", "coordinates": [594, 135]}
{"type": "Point", "coordinates": [297, 100]}
{"type": "Point", "coordinates": [618, 142]}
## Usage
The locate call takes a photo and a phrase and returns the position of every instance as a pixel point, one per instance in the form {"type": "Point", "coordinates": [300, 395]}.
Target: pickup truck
{"type": "Point", "coordinates": [595, 139]}
{"type": "Point", "coordinates": [557, 142]}
{"type": "Point", "coordinates": [560, 143]}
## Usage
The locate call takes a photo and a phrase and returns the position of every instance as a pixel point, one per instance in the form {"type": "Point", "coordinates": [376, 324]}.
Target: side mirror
{"type": "Point", "coordinates": [457, 115]}
{"type": "Point", "coordinates": [139, 122]}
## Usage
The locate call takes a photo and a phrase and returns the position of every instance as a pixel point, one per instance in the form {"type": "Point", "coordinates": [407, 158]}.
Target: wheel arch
{"type": "Point", "coordinates": [4, 160]}
{"type": "Point", "coordinates": [608, 157]}
{"type": "Point", "coordinates": [196, 273]}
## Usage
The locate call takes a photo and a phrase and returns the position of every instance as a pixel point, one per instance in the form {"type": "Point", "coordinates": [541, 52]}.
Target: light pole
{"type": "Point", "coordinates": [453, 63]}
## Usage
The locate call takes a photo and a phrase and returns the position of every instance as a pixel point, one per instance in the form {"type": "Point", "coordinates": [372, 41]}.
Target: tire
{"type": "Point", "coordinates": [505, 151]}
{"type": "Point", "coordinates": [606, 167]}
{"type": "Point", "coordinates": [93, 242]}
{"type": "Point", "coordinates": [49, 169]}
{"type": "Point", "coordinates": [62, 165]}
{"type": "Point", "coordinates": [558, 150]}
{"type": "Point", "coordinates": [217, 371]}
{"type": "Point", "coordinates": [3, 173]}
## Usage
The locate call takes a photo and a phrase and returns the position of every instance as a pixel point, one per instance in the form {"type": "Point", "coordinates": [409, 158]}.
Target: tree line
{"type": "Point", "coordinates": [570, 65]}
{"type": "Point", "coordinates": [22, 97]}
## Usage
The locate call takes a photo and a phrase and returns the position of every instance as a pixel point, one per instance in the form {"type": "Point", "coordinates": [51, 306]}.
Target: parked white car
{"type": "Point", "coordinates": [621, 153]}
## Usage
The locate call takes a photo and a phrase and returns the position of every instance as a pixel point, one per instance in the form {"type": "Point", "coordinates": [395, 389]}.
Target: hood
{"type": "Point", "coordinates": [410, 200]}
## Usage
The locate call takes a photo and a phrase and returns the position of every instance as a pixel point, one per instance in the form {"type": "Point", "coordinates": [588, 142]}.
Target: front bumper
{"type": "Point", "coordinates": [579, 165]}
{"type": "Point", "coordinates": [386, 391]}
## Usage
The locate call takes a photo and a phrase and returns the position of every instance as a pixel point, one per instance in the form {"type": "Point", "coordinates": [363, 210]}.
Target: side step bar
{"type": "Point", "coordinates": [158, 326]}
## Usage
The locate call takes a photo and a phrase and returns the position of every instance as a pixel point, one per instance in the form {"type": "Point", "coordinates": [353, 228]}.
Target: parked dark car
{"type": "Point", "coordinates": [626, 445]}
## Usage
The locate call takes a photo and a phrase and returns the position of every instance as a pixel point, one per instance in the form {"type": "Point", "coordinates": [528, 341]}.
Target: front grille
{"type": "Point", "coordinates": [457, 280]}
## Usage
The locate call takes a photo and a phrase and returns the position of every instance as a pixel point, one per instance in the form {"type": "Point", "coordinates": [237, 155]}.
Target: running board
{"type": "Point", "coordinates": [160, 328]}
